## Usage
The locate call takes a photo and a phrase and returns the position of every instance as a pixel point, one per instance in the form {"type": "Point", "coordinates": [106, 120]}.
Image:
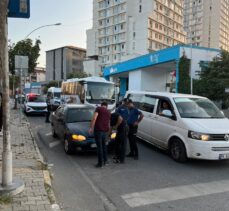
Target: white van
{"type": "Point", "coordinates": [54, 96]}
{"type": "Point", "coordinates": [187, 126]}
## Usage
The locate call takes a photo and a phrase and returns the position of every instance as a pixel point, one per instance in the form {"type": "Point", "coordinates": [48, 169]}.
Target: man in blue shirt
{"type": "Point", "coordinates": [135, 117]}
{"type": "Point", "coordinates": [123, 109]}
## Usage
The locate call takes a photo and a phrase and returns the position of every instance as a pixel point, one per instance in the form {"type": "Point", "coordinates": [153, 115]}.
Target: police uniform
{"type": "Point", "coordinates": [134, 114]}
{"type": "Point", "coordinates": [120, 139]}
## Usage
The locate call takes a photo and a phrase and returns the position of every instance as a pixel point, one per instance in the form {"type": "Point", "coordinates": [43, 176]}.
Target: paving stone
{"type": "Point", "coordinates": [26, 166]}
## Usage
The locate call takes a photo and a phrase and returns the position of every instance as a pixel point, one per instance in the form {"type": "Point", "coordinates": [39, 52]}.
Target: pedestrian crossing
{"type": "Point", "coordinates": [150, 197]}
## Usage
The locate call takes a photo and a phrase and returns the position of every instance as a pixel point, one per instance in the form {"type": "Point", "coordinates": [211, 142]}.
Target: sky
{"type": "Point", "coordinates": [75, 16]}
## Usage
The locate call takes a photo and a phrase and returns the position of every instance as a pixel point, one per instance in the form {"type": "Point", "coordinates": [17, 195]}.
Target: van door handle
{"type": "Point", "coordinates": [155, 117]}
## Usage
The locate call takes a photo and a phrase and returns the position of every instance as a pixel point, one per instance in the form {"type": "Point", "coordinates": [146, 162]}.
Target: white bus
{"type": "Point", "coordinates": [90, 90]}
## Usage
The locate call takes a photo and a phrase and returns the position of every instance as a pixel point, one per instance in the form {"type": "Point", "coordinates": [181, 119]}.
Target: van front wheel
{"type": "Point", "coordinates": [178, 151]}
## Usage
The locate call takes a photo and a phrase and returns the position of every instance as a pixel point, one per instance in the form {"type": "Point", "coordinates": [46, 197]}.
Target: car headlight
{"type": "Point", "coordinates": [78, 137]}
{"type": "Point", "coordinates": [113, 135]}
{"type": "Point", "coordinates": [198, 136]}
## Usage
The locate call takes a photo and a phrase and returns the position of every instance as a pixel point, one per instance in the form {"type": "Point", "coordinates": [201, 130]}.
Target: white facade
{"type": "Point", "coordinates": [207, 22]}
{"type": "Point", "coordinates": [124, 29]}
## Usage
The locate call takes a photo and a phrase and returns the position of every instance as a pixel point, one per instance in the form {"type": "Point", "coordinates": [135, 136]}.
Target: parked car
{"type": "Point", "coordinates": [70, 123]}
{"type": "Point", "coordinates": [188, 126]}
{"type": "Point", "coordinates": [35, 104]}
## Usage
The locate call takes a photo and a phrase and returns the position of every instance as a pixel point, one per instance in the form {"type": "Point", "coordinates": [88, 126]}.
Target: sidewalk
{"type": "Point", "coordinates": [28, 167]}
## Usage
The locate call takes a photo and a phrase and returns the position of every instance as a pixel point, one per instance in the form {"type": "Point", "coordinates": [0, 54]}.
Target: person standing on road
{"type": "Point", "coordinates": [118, 123]}
{"type": "Point", "coordinates": [123, 109]}
{"type": "Point", "coordinates": [48, 109]}
{"type": "Point", "coordinates": [101, 125]}
{"type": "Point", "coordinates": [135, 117]}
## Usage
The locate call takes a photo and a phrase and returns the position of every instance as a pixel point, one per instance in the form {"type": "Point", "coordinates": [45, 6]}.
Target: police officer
{"type": "Point", "coordinates": [118, 123]}
{"type": "Point", "coordinates": [135, 117]}
{"type": "Point", "coordinates": [123, 109]}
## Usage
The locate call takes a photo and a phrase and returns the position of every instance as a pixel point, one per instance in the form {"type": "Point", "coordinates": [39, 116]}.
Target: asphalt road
{"type": "Point", "coordinates": [154, 182]}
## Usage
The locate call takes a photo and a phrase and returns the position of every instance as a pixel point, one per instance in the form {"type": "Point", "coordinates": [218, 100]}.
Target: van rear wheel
{"type": "Point", "coordinates": [178, 151]}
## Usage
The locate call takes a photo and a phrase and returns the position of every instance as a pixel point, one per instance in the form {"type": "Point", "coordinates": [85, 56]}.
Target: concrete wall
{"type": "Point", "coordinates": [92, 67]}
{"type": "Point", "coordinates": [49, 65]}
{"type": "Point", "coordinates": [135, 80]}
{"type": "Point", "coordinates": [155, 80]}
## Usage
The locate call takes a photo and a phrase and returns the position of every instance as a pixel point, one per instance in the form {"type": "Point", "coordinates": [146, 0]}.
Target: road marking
{"type": "Point", "coordinates": [138, 199]}
{"type": "Point", "coordinates": [48, 134]}
{"type": "Point", "coordinates": [54, 144]}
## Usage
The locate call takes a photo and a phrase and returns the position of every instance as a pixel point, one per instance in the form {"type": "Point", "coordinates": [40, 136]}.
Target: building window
{"type": "Point", "coordinates": [140, 8]}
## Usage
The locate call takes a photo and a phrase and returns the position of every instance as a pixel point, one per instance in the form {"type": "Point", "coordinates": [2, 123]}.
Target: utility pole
{"type": "Point", "coordinates": [7, 152]}
{"type": "Point", "coordinates": [7, 186]}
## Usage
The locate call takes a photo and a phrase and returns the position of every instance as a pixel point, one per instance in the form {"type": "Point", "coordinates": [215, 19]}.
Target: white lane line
{"type": "Point", "coordinates": [54, 144]}
{"type": "Point", "coordinates": [48, 134]}
{"type": "Point", "coordinates": [138, 199]}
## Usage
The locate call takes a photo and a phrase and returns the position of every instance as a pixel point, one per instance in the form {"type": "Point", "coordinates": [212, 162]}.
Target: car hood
{"type": "Point", "coordinates": [41, 104]}
{"type": "Point", "coordinates": [79, 128]}
{"type": "Point", "coordinates": [211, 126]}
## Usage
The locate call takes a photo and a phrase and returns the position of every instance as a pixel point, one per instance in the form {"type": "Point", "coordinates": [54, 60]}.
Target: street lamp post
{"type": "Point", "coordinates": [55, 24]}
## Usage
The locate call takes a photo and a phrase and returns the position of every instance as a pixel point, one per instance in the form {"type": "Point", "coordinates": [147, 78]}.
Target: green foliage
{"type": "Point", "coordinates": [214, 79]}
{"type": "Point", "coordinates": [184, 78]}
{"type": "Point", "coordinates": [14, 81]}
{"type": "Point", "coordinates": [78, 75]}
{"type": "Point", "coordinates": [51, 84]}
{"type": "Point", "coordinates": [24, 48]}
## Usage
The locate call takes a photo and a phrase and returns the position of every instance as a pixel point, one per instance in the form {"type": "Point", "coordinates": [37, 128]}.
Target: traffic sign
{"type": "Point", "coordinates": [21, 62]}
{"type": "Point", "coordinates": [227, 90]}
{"type": "Point", "coordinates": [19, 9]}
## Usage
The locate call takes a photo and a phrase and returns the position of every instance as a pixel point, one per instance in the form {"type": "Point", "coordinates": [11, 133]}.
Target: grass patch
{"type": "Point", "coordinates": [5, 199]}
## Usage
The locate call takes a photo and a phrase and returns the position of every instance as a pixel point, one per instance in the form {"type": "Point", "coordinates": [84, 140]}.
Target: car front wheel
{"type": "Point", "coordinates": [178, 151]}
{"type": "Point", "coordinates": [68, 148]}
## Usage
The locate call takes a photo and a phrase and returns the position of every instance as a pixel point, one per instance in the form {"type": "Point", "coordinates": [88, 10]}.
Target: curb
{"type": "Point", "coordinates": [46, 173]}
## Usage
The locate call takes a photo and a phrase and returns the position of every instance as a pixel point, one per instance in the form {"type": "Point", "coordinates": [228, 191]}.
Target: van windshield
{"type": "Point", "coordinates": [57, 94]}
{"type": "Point", "coordinates": [198, 108]}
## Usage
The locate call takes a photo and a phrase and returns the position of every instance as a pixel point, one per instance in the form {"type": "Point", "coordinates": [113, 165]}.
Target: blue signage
{"type": "Point", "coordinates": [144, 61]}
{"type": "Point", "coordinates": [19, 9]}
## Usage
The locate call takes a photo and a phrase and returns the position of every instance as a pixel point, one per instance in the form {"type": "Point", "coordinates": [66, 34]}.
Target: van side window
{"type": "Point", "coordinates": [137, 99]}
{"type": "Point", "coordinates": [163, 105]}
{"type": "Point", "coordinates": [148, 103]}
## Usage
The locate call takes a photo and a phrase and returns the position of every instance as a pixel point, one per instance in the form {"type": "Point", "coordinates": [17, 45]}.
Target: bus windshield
{"type": "Point", "coordinates": [99, 92]}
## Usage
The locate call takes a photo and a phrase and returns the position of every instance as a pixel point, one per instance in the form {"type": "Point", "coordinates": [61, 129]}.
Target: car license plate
{"type": "Point", "coordinates": [224, 156]}
{"type": "Point", "coordinates": [93, 145]}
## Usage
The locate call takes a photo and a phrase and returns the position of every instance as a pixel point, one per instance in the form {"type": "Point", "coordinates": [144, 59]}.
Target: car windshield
{"type": "Point", "coordinates": [199, 108]}
{"type": "Point", "coordinates": [99, 92]}
{"type": "Point", "coordinates": [79, 115]}
{"type": "Point", "coordinates": [36, 99]}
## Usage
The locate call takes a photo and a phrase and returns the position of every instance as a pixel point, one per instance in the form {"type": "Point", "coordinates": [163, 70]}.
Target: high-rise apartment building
{"type": "Point", "coordinates": [124, 29]}
{"type": "Point", "coordinates": [207, 23]}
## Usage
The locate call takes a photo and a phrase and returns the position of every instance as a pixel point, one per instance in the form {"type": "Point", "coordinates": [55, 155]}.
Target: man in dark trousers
{"type": "Point", "coordinates": [135, 117]}
{"type": "Point", "coordinates": [118, 123]}
{"type": "Point", "coordinates": [101, 125]}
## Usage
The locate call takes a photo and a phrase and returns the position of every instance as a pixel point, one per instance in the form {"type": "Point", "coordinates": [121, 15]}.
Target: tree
{"type": "Point", "coordinates": [51, 84]}
{"type": "Point", "coordinates": [215, 78]}
{"type": "Point", "coordinates": [184, 77]}
{"type": "Point", "coordinates": [78, 75]}
{"type": "Point", "coordinates": [24, 48]}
